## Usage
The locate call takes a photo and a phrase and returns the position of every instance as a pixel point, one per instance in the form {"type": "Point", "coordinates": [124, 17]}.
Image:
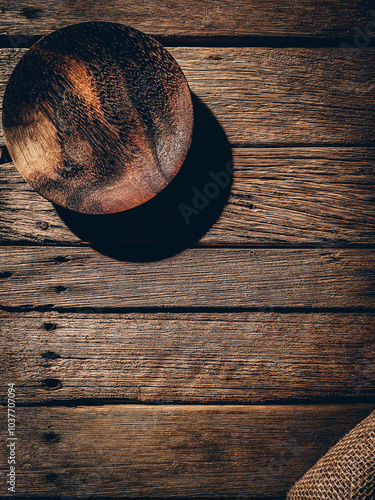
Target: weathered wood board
{"type": "Point", "coordinates": [187, 357]}
{"type": "Point", "coordinates": [275, 96]}
{"type": "Point", "coordinates": [320, 196]}
{"type": "Point", "coordinates": [201, 277]}
{"type": "Point", "coordinates": [169, 451]}
{"type": "Point", "coordinates": [147, 371]}
{"type": "Point", "coordinates": [202, 18]}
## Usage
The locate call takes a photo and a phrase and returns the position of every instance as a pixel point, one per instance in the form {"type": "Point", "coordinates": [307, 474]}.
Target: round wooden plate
{"type": "Point", "coordinates": [98, 117]}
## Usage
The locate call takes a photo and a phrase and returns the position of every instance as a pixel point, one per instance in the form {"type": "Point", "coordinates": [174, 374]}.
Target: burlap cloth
{"type": "Point", "coordinates": [346, 472]}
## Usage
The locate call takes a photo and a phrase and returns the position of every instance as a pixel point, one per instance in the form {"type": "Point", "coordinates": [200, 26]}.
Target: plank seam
{"type": "Point", "coordinates": [26, 41]}
{"type": "Point", "coordinates": [300, 145]}
{"type": "Point", "coordinates": [150, 310]}
{"type": "Point", "coordinates": [69, 403]}
{"type": "Point", "coordinates": [186, 245]}
{"type": "Point", "coordinates": [5, 157]}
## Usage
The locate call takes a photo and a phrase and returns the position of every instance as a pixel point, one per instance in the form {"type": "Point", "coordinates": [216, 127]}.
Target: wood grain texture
{"type": "Point", "coordinates": [322, 18]}
{"type": "Point", "coordinates": [318, 196]}
{"type": "Point", "coordinates": [347, 467]}
{"type": "Point", "coordinates": [173, 451]}
{"type": "Point", "coordinates": [187, 357]}
{"type": "Point", "coordinates": [260, 96]}
{"type": "Point", "coordinates": [98, 117]}
{"type": "Point", "coordinates": [217, 277]}
{"type": "Point", "coordinates": [276, 95]}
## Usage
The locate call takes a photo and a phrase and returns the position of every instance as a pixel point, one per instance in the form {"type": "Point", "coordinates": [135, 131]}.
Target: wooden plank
{"type": "Point", "coordinates": [274, 96]}
{"type": "Point", "coordinates": [323, 18]}
{"type": "Point", "coordinates": [172, 451]}
{"type": "Point", "coordinates": [352, 457]}
{"type": "Point", "coordinates": [214, 277]}
{"type": "Point", "coordinates": [313, 196]}
{"type": "Point", "coordinates": [187, 357]}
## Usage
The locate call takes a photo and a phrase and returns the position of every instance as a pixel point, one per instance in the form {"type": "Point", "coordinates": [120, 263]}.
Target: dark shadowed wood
{"type": "Point", "coordinates": [173, 451]}
{"type": "Point", "coordinates": [277, 95]}
{"type": "Point", "coordinates": [218, 277]}
{"type": "Point", "coordinates": [323, 18]}
{"type": "Point", "coordinates": [282, 195]}
{"type": "Point", "coordinates": [187, 357]}
{"type": "Point", "coordinates": [97, 117]}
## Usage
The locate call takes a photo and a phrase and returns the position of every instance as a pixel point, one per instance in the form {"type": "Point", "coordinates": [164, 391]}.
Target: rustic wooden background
{"type": "Point", "coordinates": [226, 363]}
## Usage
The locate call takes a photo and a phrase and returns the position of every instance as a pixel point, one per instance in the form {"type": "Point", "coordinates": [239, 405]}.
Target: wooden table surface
{"type": "Point", "coordinates": [218, 358]}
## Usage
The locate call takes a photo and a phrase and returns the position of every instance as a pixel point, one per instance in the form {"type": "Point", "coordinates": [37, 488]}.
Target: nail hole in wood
{"type": "Point", "coordinates": [31, 13]}
{"type": "Point", "coordinates": [61, 260]}
{"type": "Point", "coordinates": [51, 437]}
{"type": "Point", "coordinates": [51, 477]}
{"type": "Point", "coordinates": [60, 289]}
{"type": "Point", "coordinates": [49, 326]}
{"type": "Point", "coordinates": [51, 383]}
{"type": "Point", "coordinates": [43, 225]}
{"type": "Point", "coordinates": [50, 355]}
{"type": "Point", "coordinates": [5, 275]}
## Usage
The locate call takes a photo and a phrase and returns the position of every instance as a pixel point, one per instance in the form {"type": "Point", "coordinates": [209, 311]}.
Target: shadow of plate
{"type": "Point", "coordinates": [179, 215]}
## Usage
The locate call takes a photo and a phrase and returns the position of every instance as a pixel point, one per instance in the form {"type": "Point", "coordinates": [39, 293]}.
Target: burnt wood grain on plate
{"type": "Point", "coordinates": [276, 96]}
{"type": "Point", "coordinates": [318, 196]}
{"type": "Point", "coordinates": [97, 117]}
{"type": "Point", "coordinates": [204, 18]}
{"type": "Point", "coordinates": [242, 357]}
{"type": "Point", "coordinates": [197, 277]}
{"type": "Point", "coordinates": [173, 451]}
